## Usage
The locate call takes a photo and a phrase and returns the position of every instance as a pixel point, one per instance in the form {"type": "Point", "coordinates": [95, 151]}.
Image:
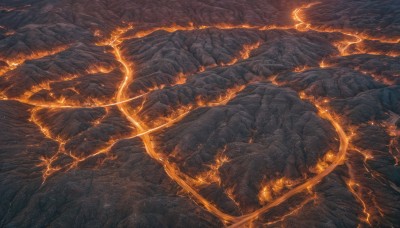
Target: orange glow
{"type": "Point", "coordinates": [322, 64]}
{"type": "Point", "coordinates": [294, 211]}
{"type": "Point", "coordinates": [171, 170]}
{"type": "Point", "coordinates": [172, 28]}
{"type": "Point", "coordinates": [363, 48]}
{"type": "Point", "coordinates": [99, 69]}
{"type": "Point", "coordinates": [271, 193]}
{"type": "Point", "coordinates": [223, 99]}
{"type": "Point", "coordinates": [212, 175]}
{"type": "Point", "coordinates": [60, 103]}
{"type": "Point", "coordinates": [339, 159]}
{"type": "Point", "coordinates": [243, 54]}
{"type": "Point", "coordinates": [181, 79]}
{"type": "Point", "coordinates": [274, 81]}
{"type": "Point", "coordinates": [296, 15]}
{"type": "Point", "coordinates": [301, 69]}
{"type": "Point", "coordinates": [394, 143]}
{"type": "Point", "coordinates": [15, 62]}
{"type": "Point", "coordinates": [273, 188]}
{"type": "Point", "coordinates": [354, 38]}
{"type": "Point", "coordinates": [43, 86]}
{"type": "Point", "coordinates": [117, 38]}
{"type": "Point", "coordinates": [352, 186]}
{"type": "Point", "coordinates": [365, 153]}
{"type": "Point", "coordinates": [47, 163]}
{"type": "Point", "coordinates": [231, 196]}
{"type": "Point", "coordinates": [323, 163]}
{"type": "Point", "coordinates": [222, 26]}
{"type": "Point", "coordinates": [49, 169]}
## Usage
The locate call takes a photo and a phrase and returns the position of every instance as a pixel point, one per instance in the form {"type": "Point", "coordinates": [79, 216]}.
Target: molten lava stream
{"type": "Point", "coordinates": [60, 106]}
{"type": "Point", "coordinates": [169, 168]}
{"type": "Point", "coordinates": [143, 130]}
{"type": "Point", "coordinates": [14, 63]}
{"type": "Point", "coordinates": [340, 157]}
{"type": "Point", "coordinates": [343, 45]}
{"type": "Point", "coordinates": [173, 172]}
{"type": "Point", "coordinates": [190, 27]}
{"type": "Point", "coordinates": [352, 186]}
{"type": "Point", "coordinates": [47, 163]}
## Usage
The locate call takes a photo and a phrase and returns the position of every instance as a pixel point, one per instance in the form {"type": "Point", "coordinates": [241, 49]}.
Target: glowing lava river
{"type": "Point", "coordinates": [228, 118]}
{"type": "Point", "coordinates": [175, 174]}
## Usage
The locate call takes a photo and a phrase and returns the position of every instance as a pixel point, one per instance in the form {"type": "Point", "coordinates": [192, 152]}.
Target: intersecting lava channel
{"type": "Point", "coordinates": [274, 192]}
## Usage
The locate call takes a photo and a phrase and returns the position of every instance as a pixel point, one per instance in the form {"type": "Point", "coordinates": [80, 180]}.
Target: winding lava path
{"type": "Point", "coordinates": [300, 25]}
{"type": "Point", "coordinates": [175, 174]}
{"type": "Point", "coordinates": [340, 157]}
{"type": "Point", "coordinates": [172, 171]}
{"type": "Point", "coordinates": [169, 168]}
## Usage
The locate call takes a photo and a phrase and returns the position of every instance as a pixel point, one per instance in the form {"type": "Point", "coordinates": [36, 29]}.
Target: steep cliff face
{"type": "Point", "coordinates": [199, 113]}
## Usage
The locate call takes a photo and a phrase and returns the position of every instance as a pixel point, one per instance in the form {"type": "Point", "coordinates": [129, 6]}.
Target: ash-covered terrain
{"type": "Point", "coordinates": [183, 113]}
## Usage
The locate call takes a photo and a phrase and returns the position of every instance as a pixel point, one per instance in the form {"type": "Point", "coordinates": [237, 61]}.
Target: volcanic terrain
{"type": "Point", "coordinates": [199, 113]}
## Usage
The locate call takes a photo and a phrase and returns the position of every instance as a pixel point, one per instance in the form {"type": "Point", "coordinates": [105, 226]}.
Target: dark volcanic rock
{"type": "Point", "coordinates": [268, 133]}
{"type": "Point", "coordinates": [375, 18]}
{"type": "Point", "coordinates": [139, 113]}
{"type": "Point", "coordinates": [370, 105]}
{"type": "Point", "coordinates": [330, 82]}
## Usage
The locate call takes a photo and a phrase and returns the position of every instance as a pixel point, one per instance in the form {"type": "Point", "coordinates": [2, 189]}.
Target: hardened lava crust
{"type": "Point", "coordinates": [199, 113]}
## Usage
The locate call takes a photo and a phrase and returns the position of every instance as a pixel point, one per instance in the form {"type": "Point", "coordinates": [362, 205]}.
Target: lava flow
{"type": "Point", "coordinates": [175, 174]}
{"type": "Point", "coordinates": [345, 44]}
{"type": "Point", "coordinates": [340, 158]}
{"type": "Point", "coordinates": [260, 114]}
{"type": "Point", "coordinates": [169, 168]}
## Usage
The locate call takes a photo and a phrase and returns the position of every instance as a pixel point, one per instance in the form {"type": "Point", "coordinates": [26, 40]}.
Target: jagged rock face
{"type": "Point", "coordinates": [204, 113]}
